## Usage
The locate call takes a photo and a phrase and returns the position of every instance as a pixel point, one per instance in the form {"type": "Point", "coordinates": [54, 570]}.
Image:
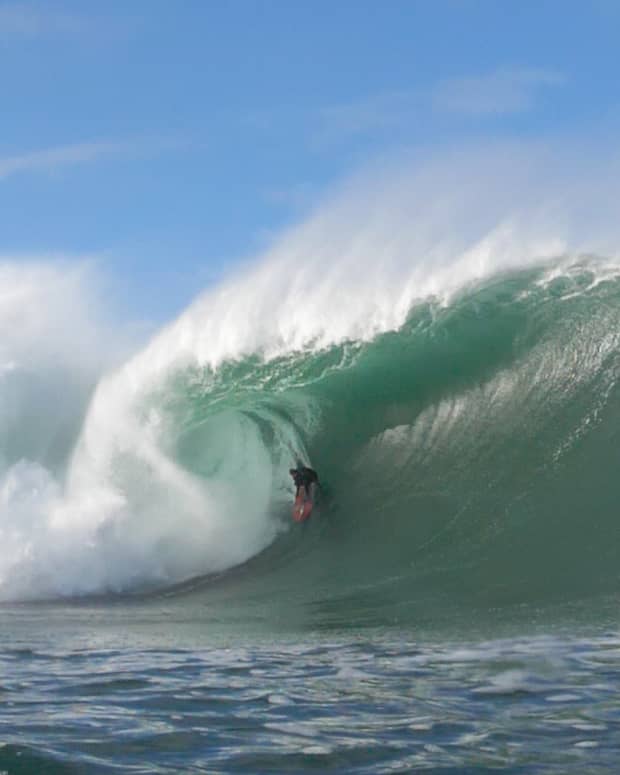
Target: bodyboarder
{"type": "Point", "coordinates": [303, 477]}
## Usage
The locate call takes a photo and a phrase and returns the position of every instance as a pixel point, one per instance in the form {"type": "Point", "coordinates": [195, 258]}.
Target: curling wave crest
{"type": "Point", "coordinates": [444, 352]}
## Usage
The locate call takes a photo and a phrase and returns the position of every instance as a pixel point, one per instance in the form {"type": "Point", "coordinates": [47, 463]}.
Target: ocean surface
{"type": "Point", "coordinates": [452, 604]}
{"type": "Point", "coordinates": [157, 688]}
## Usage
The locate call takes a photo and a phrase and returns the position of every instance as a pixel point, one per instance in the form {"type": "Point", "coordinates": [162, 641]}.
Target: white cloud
{"type": "Point", "coordinates": [500, 92]}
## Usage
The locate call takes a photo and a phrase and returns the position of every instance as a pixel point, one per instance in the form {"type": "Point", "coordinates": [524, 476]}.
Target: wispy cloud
{"type": "Point", "coordinates": [28, 20]}
{"type": "Point", "coordinates": [376, 112]}
{"type": "Point", "coordinates": [503, 91]}
{"type": "Point", "coordinates": [53, 159]}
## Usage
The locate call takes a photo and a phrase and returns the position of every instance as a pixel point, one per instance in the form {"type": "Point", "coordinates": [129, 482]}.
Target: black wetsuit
{"type": "Point", "coordinates": [304, 477]}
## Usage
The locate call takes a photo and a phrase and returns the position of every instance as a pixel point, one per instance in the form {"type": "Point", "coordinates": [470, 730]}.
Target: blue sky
{"type": "Point", "coordinates": [170, 139]}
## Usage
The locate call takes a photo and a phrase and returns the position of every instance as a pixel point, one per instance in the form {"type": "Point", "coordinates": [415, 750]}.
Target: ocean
{"type": "Point", "coordinates": [451, 605]}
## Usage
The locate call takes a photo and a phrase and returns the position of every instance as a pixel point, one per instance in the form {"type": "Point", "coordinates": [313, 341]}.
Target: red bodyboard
{"type": "Point", "coordinates": [303, 506]}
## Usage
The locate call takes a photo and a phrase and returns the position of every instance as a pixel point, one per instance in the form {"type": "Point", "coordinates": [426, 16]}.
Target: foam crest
{"type": "Point", "coordinates": [386, 240]}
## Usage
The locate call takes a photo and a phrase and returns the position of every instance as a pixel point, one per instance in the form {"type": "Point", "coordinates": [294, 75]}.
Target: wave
{"type": "Point", "coordinates": [458, 395]}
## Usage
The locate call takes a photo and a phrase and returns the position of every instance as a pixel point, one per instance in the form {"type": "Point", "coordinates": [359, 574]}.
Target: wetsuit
{"type": "Point", "coordinates": [304, 477]}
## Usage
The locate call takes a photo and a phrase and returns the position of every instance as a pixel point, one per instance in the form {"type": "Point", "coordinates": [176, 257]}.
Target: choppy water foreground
{"type": "Point", "coordinates": [335, 704]}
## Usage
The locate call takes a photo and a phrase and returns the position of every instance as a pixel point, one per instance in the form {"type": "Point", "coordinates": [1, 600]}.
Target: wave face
{"type": "Point", "coordinates": [467, 457]}
{"type": "Point", "coordinates": [459, 399]}
{"type": "Point", "coordinates": [469, 453]}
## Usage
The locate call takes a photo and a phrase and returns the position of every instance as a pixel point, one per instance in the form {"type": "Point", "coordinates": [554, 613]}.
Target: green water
{"type": "Point", "coordinates": [468, 460]}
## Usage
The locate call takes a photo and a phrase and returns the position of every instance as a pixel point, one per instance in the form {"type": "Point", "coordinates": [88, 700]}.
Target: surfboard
{"type": "Point", "coordinates": [303, 505]}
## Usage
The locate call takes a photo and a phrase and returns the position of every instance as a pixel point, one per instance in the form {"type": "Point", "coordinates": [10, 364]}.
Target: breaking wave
{"type": "Point", "coordinates": [446, 357]}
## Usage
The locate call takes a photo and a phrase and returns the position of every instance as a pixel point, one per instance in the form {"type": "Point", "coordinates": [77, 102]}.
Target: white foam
{"type": "Point", "coordinates": [54, 345]}
{"type": "Point", "coordinates": [129, 512]}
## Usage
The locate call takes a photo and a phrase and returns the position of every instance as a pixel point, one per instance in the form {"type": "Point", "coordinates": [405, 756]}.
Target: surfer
{"type": "Point", "coordinates": [303, 477]}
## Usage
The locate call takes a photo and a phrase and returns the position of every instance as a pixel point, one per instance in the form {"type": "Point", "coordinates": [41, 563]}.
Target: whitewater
{"type": "Point", "coordinates": [440, 339]}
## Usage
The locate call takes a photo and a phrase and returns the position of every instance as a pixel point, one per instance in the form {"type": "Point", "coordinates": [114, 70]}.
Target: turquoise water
{"type": "Point", "coordinates": [468, 460]}
{"type": "Point", "coordinates": [450, 606]}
